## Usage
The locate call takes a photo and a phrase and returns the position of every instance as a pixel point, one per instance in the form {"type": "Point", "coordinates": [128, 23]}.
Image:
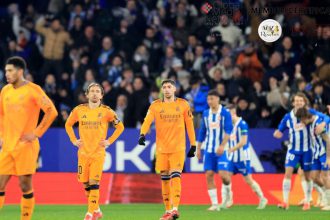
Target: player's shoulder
{"type": "Point", "coordinates": [206, 112]}
{"type": "Point", "coordinates": [6, 88]}
{"type": "Point", "coordinates": [182, 101]}
{"type": "Point", "coordinates": [106, 108]}
{"type": "Point", "coordinates": [34, 87]}
{"type": "Point", "coordinates": [81, 107]}
{"type": "Point", "coordinates": [243, 123]}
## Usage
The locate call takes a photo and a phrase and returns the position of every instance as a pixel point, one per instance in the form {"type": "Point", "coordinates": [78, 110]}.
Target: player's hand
{"type": "Point", "coordinates": [28, 137]}
{"type": "Point", "coordinates": [327, 162]}
{"type": "Point", "coordinates": [192, 151]}
{"type": "Point", "coordinates": [220, 150]}
{"type": "Point", "coordinates": [142, 139]}
{"type": "Point", "coordinates": [78, 143]}
{"type": "Point", "coordinates": [104, 143]}
{"type": "Point", "coordinates": [320, 128]}
{"type": "Point", "coordinates": [278, 134]}
{"type": "Point", "coordinates": [199, 153]}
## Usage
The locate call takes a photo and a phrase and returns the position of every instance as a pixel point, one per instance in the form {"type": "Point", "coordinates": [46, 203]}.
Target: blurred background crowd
{"type": "Point", "coordinates": [130, 46]}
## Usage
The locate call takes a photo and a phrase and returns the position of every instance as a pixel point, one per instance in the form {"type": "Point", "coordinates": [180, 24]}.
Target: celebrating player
{"type": "Point", "coordinates": [93, 121]}
{"type": "Point", "coordinates": [171, 116]}
{"type": "Point", "coordinates": [215, 129]}
{"type": "Point", "coordinates": [299, 149]}
{"type": "Point", "coordinates": [239, 155]}
{"type": "Point", "coordinates": [321, 144]}
{"type": "Point", "coordinates": [20, 104]}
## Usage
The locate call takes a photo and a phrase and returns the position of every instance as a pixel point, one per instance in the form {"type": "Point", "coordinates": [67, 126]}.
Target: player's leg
{"type": "Point", "coordinates": [87, 188]}
{"type": "Point", "coordinates": [162, 164]}
{"type": "Point", "coordinates": [223, 165]}
{"type": "Point", "coordinates": [303, 183]}
{"type": "Point", "coordinates": [83, 177]}
{"type": "Point", "coordinates": [27, 200]}
{"type": "Point", "coordinates": [210, 167]}
{"type": "Point", "coordinates": [257, 189]}
{"type": "Point", "coordinates": [317, 182]}
{"type": "Point", "coordinates": [325, 175]}
{"type": "Point", "coordinates": [4, 179]}
{"type": "Point", "coordinates": [306, 162]}
{"type": "Point", "coordinates": [176, 162]}
{"type": "Point", "coordinates": [95, 175]}
{"type": "Point", "coordinates": [291, 161]}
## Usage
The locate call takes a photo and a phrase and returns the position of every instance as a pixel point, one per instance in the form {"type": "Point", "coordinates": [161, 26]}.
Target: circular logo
{"type": "Point", "coordinates": [269, 30]}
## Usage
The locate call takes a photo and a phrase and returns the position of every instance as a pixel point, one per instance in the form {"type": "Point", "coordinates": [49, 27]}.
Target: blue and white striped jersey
{"type": "Point", "coordinates": [319, 145]}
{"type": "Point", "coordinates": [240, 129]}
{"type": "Point", "coordinates": [299, 138]}
{"type": "Point", "coordinates": [213, 128]}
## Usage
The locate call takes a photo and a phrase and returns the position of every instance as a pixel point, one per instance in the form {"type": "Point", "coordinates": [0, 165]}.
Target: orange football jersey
{"type": "Point", "coordinates": [171, 120]}
{"type": "Point", "coordinates": [19, 113]}
{"type": "Point", "coordinates": [93, 126]}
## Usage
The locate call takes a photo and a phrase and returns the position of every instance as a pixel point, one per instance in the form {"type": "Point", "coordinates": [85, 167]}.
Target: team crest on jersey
{"type": "Point", "coordinates": [99, 115]}
{"type": "Point", "coordinates": [84, 116]}
{"type": "Point", "coordinates": [299, 126]}
{"type": "Point", "coordinates": [162, 111]}
{"type": "Point", "coordinates": [177, 109]}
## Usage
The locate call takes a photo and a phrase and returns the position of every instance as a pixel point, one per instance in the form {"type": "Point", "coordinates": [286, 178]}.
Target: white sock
{"type": "Point", "coordinates": [319, 190]}
{"type": "Point", "coordinates": [175, 208]}
{"type": "Point", "coordinates": [286, 187]}
{"type": "Point", "coordinates": [224, 192]}
{"type": "Point", "coordinates": [256, 188]}
{"type": "Point", "coordinates": [327, 195]}
{"type": "Point", "coordinates": [309, 191]}
{"type": "Point", "coordinates": [213, 196]}
{"type": "Point", "coordinates": [304, 188]}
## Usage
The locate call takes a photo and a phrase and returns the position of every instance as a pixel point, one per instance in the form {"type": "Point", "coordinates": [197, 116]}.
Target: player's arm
{"type": "Point", "coordinates": [119, 128]}
{"type": "Point", "coordinates": [244, 138]}
{"type": "Point", "coordinates": [146, 125]}
{"type": "Point", "coordinates": [281, 128]}
{"type": "Point", "coordinates": [228, 127]}
{"type": "Point", "coordinates": [325, 120]}
{"type": "Point", "coordinates": [201, 137]}
{"type": "Point", "coordinates": [47, 106]}
{"type": "Point", "coordinates": [188, 120]}
{"type": "Point", "coordinates": [326, 138]}
{"type": "Point", "coordinates": [71, 120]}
{"type": "Point", "coordinates": [40, 26]}
{"type": "Point", "coordinates": [1, 118]}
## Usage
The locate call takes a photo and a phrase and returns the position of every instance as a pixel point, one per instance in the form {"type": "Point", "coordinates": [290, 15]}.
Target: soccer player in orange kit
{"type": "Point", "coordinates": [20, 104]}
{"type": "Point", "coordinates": [93, 119]}
{"type": "Point", "coordinates": [171, 116]}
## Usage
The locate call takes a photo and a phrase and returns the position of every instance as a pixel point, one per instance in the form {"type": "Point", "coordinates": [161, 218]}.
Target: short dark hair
{"type": "Point", "coordinates": [94, 84]}
{"type": "Point", "coordinates": [213, 92]}
{"type": "Point", "coordinates": [168, 81]}
{"type": "Point", "coordinates": [17, 62]}
{"type": "Point", "coordinates": [303, 113]}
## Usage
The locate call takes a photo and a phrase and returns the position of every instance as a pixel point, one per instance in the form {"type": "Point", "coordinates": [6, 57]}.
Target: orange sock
{"type": "Point", "coordinates": [2, 199]}
{"type": "Point", "coordinates": [166, 192]}
{"type": "Point", "coordinates": [176, 189]}
{"type": "Point", "coordinates": [27, 205]}
{"type": "Point", "coordinates": [93, 199]}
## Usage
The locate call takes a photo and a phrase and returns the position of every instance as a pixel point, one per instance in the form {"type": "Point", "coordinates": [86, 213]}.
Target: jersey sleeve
{"type": "Point", "coordinates": [47, 106]}
{"type": "Point", "coordinates": [112, 117]}
{"type": "Point", "coordinates": [119, 127]}
{"type": "Point", "coordinates": [1, 114]}
{"type": "Point", "coordinates": [202, 131]}
{"type": "Point", "coordinates": [283, 124]}
{"type": "Point", "coordinates": [188, 119]}
{"type": "Point", "coordinates": [320, 120]}
{"type": "Point", "coordinates": [72, 119]}
{"type": "Point", "coordinates": [228, 124]}
{"type": "Point", "coordinates": [323, 117]}
{"type": "Point", "coordinates": [244, 128]}
{"type": "Point", "coordinates": [148, 120]}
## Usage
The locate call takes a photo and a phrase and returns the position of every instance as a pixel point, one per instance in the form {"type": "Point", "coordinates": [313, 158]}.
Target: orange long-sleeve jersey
{"type": "Point", "coordinates": [171, 120]}
{"type": "Point", "coordinates": [19, 113]}
{"type": "Point", "coordinates": [93, 127]}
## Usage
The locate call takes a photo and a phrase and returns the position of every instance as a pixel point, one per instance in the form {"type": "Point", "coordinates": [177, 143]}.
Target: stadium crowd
{"type": "Point", "coordinates": [131, 46]}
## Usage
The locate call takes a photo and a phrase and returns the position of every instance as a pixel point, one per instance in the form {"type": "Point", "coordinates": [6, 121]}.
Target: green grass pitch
{"type": "Point", "coordinates": [154, 211]}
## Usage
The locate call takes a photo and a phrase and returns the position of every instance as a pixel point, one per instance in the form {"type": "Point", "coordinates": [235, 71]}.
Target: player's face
{"type": "Point", "coordinates": [12, 74]}
{"type": "Point", "coordinates": [298, 102]}
{"type": "Point", "coordinates": [168, 90]}
{"type": "Point", "coordinates": [213, 101]}
{"type": "Point", "coordinates": [95, 94]}
{"type": "Point", "coordinates": [306, 121]}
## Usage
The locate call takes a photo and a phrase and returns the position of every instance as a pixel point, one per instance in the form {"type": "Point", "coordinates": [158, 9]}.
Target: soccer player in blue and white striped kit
{"type": "Point", "coordinates": [215, 129]}
{"type": "Point", "coordinates": [321, 150]}
{"type": "Point", "coordinates": [299, 149]}
{"type": "Point", "coordinates": [240, 156]}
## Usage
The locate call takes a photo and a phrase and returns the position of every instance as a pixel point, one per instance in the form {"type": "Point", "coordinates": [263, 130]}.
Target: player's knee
{"type": "Point", "coordinates": [93, 182]}
{"type": "Point", "coordinates": [25, 186]}
{"type": "Point", "coordinates": [175, 174]}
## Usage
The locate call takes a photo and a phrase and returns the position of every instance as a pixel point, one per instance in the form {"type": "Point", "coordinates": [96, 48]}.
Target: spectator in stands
{"type": "Point", "coordinates": [50, 86]}
{"type": "Point", "coordinates": [238, 84]}
{"type": "Point", "coordinates": [105, 56]}
{"type": "Point", "coordinates": [121, 108]}
{"type": "Point", "coordinates": [110, 94]}
{"type": "Point", "coordinates": [154, 46]}
{"type": "Point", "coordinates": [115, 70]}
{"type": "Point", "coordinates": [245, 111]}
{"type": "Point", "coordinates": [275, 69]}
{"type": "Point", "coordinates": [264, 120]}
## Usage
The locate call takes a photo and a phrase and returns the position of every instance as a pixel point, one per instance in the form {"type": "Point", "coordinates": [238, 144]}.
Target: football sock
{"type": "Point", "coordinates": [256, 188]}
{"type": "Point", "coordinates": [213, 196]}
{"type": "Point", "coordinates": [166, 191]}
{"type": "Point", "coordinates": [319, 190]}
{"type": "Point", "coordinates": [225, 191]}
{"type": "Point", "coordinates": [304, 187]}
{"type": "Point", "coordinates": [176, 189]}
{"type": "Point", "coordinates": [27, 205]}
{"type": "Point", "coordinates": [327, 195]}
{"type": "Point", "coordinates": [2, 199]}
{"type": "Point", "coordinates": [93, 199]}
{"type": "Point", "coordinates": [309, 191]}
{"type": "Point", "coordinates": [286, 187]}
